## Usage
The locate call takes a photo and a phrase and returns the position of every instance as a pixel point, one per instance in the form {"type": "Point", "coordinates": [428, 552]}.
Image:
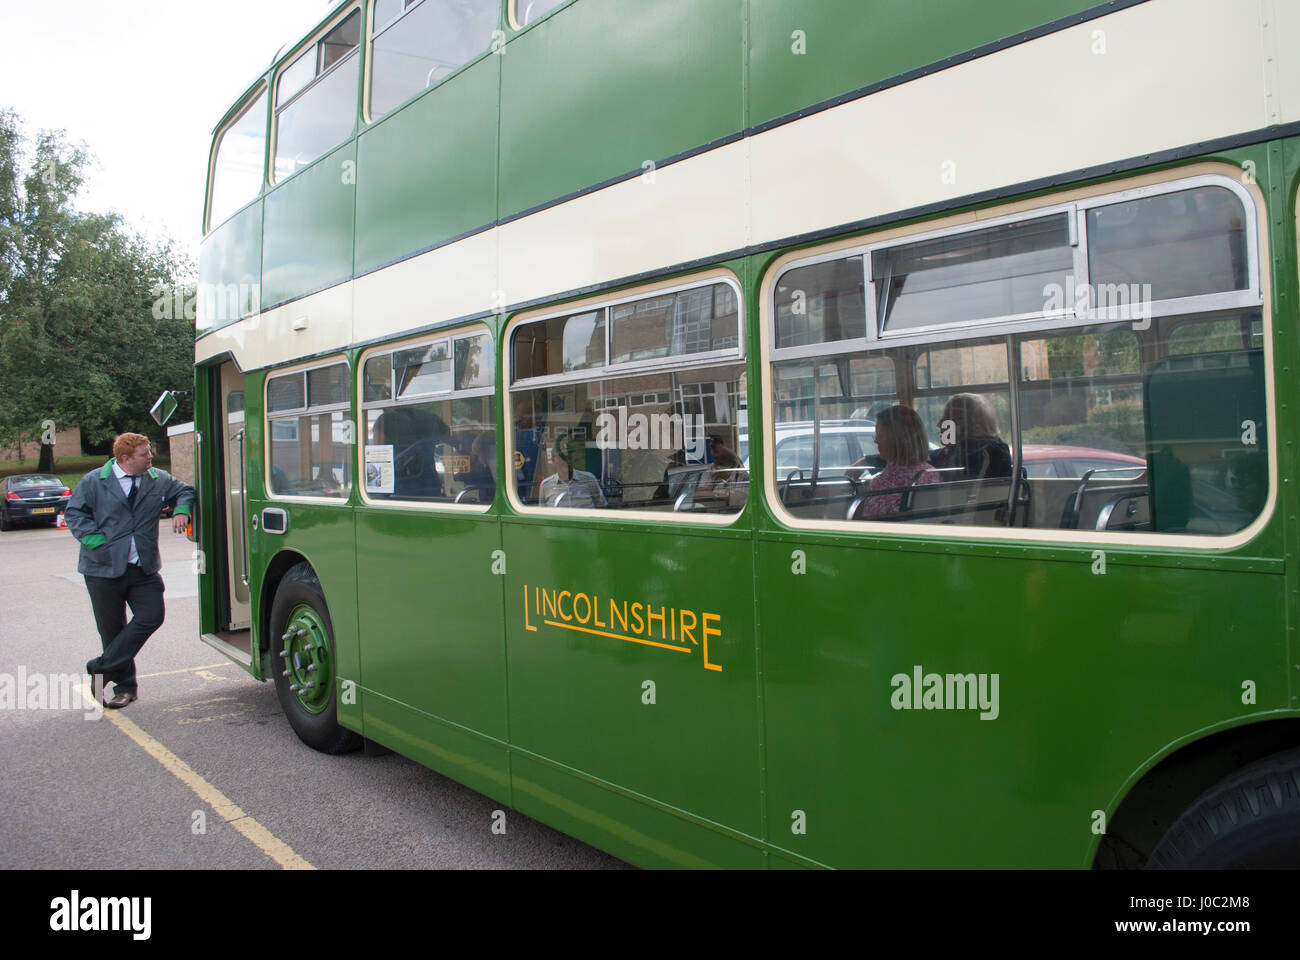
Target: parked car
{"type": "Point", "coordinates": [1057, 460]}
{"type": "Point", "coordinates": [33, 498]}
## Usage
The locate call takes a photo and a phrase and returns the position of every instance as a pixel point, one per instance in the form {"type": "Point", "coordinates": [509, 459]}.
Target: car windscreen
{"type": "Point", "coordinates": [32, 483]}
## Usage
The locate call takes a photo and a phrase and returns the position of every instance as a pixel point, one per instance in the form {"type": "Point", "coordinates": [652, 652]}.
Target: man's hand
{"type": "Point", "coordinates": [180, 522]}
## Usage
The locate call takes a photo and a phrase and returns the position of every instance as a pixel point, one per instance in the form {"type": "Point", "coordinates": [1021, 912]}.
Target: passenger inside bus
{"type": "Point", "coordinates": [569, 486]}
{"type": "Point", "coordinates": [968, 428]}
{"type": "Point", "coordinates": [901, 440]}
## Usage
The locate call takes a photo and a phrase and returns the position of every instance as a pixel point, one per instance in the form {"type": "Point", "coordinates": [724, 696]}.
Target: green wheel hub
{"type": "Point", "coordinates": [305, 659]}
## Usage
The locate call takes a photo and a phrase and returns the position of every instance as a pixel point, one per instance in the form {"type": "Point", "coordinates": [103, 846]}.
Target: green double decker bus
{"type": "Point", "coordinates": [924, 373]}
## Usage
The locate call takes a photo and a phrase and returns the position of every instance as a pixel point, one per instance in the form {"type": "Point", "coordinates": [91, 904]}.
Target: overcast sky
{"type": "Point", "coordinates": [143, 83]}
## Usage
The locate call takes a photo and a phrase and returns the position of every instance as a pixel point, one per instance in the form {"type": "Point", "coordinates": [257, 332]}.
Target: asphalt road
{"type": "Point", "coordinates": [81, 791]}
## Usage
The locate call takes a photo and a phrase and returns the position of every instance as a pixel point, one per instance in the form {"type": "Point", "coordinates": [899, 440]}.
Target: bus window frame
{"type": "Point", "coordinates": [449, 336]}
{"type": "Point", "coordinates": [233, 117]}
{"type": "Point", "coordinates": [276, 108]}
{"type": "Point", "coordinates": [713, 358]}
{"type": "Point", "coordinates": [512, 12]}
{"type": "Point", "coordinates": [1249, 297]}
{"type": "Point", "coordinates": [1256, 297]}
{"type": "Point", "coordinates": [268, 418]}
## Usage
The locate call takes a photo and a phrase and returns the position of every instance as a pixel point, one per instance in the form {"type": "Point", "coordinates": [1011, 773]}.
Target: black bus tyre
{"type": "Point", "coordinates": [302, 658]}
{"type": "Point", "coordinates": [1249, 820]}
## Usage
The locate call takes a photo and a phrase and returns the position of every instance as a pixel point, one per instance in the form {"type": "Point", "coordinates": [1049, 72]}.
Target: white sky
{"type": "Point", "coordinates": [143, 83]}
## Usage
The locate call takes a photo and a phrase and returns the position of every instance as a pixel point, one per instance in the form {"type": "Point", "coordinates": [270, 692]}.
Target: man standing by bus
{"type": "Point", "coordinates": [114, 514]}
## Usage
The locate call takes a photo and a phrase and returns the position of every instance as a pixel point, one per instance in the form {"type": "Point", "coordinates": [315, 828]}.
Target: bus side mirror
{"type": "Point", "coordinates": [165, 406]}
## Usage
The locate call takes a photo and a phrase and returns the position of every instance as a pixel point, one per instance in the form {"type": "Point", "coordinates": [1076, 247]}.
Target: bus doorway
{"type": "Point", "coordinates": [234, 497]}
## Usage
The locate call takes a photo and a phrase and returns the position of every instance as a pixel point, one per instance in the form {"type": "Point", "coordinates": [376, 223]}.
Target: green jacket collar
{"type": "Point", "coordinates": [107, 471]}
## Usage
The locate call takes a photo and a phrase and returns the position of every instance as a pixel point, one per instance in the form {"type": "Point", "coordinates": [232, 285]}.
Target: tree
{"type": "Point", "coordinates": [79, 341]}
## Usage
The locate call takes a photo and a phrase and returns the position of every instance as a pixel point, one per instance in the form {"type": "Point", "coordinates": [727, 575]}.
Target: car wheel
{"type": "Point", "coordinates": [302, 640]}
{"type": "Point", "coordinates": [1250, 820]}
{"type": "Point", "coordinates": [5, 522]}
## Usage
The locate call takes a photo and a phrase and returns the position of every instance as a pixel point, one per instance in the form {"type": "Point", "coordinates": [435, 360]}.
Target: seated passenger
{"type": "Point", "coordinates": [900, 438]}
{"type": "Point", "coordinates": [482, 474]}
{"type": "Point", "coordinates": [976, 448]}
{"type": "Point", "coordinates": [725, 476]}
{"type": "Point", "coordinates": [569, 487]}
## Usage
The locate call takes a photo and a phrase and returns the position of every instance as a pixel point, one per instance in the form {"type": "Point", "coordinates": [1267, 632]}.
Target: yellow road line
{"type": "Point", "coordinates": [262, 838]}
{"type": "Point", "coordinates": [168, 673]}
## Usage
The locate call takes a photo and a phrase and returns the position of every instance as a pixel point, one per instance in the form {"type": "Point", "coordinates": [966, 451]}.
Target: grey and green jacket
{"type": "Point", "coordinates": [101, 519]}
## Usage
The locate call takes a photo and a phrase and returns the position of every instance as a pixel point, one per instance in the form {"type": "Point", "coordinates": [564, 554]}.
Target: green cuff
{"type": "Point", "coordinates": [93, 541]}
{"type": "Point", "coordinates": [183, 510]}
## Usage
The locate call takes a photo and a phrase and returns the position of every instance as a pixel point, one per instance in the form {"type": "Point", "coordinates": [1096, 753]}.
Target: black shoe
{"type": "Point", "coordinates": [119, 701]}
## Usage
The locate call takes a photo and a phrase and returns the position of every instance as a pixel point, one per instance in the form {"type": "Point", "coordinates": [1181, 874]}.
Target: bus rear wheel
{"type": "Point", "coordinates": [1251, 820]}
{"type": "Point", "coordinates": [302, 640]}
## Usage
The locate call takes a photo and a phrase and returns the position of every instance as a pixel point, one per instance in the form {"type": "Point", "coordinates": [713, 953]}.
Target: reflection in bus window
{"type": "Point", "coordinates": [657, 441]}
{"type": "Point", "coordinates": [432, 39]}
{"type": "Point", "coordinates": [238, 172]}
{"type": "Point", "coordinates": [310, 430]}
{"type": "Point", "coordinates": [316, 98]}
{"type": "Point", "coordinates": [1156, 424]}
{"type": "Point", "coordinates": [436, 442]}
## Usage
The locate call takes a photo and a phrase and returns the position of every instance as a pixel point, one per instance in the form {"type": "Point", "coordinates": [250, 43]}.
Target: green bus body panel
{"type": "Point", "coordinates": [309, 226]}
{"type": "Point", "coordinates": [476, 761]}
{"type": "Point", "coordinates": [625, 826]}
{"type": "Point", "coordinates": [850, 44]}
{"type": "Point", "coordinates": [428, 173]}
{"type": "Point", "coordinates": [579, 697]}
{"type": "Point", "coordinates": [439, 651]}
{"type": "Point", "coordinates": [604, 87]}
{"type": "Point", "coordinates": [231, 259]}
{"type": "Point", "coordinates": [1095, 674]}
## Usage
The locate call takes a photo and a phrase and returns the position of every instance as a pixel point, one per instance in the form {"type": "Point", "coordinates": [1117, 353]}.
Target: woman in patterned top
{"type": "Point", "coordinates": [901, 440]}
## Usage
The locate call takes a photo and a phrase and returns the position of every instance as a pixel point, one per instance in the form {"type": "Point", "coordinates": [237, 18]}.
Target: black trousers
{"type": "Point", "coordinates": [109, 598]}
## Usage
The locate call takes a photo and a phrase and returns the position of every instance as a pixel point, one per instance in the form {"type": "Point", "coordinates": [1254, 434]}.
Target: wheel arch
{"type": "Point", "coordinates": [281, 564]}
{"type": "Point", "coordinates": [1156, 799]}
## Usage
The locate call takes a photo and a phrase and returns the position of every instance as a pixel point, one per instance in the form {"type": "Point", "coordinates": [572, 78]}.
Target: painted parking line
{"type": "Point", "coordinates": [223, 806]}
{"type": "Point", "coordinates": [170, 673]}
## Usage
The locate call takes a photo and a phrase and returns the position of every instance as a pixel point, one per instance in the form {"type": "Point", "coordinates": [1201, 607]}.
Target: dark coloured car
{"type": "Point", "coordinates": [32, 498]}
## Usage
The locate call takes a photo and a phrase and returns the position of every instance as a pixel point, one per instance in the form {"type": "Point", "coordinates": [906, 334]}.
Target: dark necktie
{"type": "Point", "coordinates": [130, 497]}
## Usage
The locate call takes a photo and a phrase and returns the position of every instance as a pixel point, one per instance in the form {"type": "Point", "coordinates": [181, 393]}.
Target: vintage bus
{"type": "Point", "coordinates": [921, 372]}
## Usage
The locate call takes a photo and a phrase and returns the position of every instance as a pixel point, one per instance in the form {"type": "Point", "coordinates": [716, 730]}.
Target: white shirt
{"type": "Point", "coordinates": [125, 479]}
{"type": "Point", "coordinates": [583, 490]}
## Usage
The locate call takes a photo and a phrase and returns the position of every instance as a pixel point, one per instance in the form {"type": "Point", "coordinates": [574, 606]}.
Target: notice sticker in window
{"type": "Point", "coordinates": [379, 469]}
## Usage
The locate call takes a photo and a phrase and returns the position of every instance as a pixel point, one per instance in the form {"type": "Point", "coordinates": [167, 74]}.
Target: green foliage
{"type": "Point", "coordinates": [79, 342]}
{"type": "Point", "coordinates": [1117, 427]}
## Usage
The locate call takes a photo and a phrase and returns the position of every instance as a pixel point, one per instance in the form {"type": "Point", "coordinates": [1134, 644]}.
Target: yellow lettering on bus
{"type": "Point", "coordinates": [548, 604]}
{"type": "Point", "coordinates": [688, 630]}
{"type": "Point", "coordinates": [615, 614]}
{"type": "Point", "coordinates": [559, 605]}
{"type": "Point", "coordinates": [579, 617]}
{"type": "Point", "coordinates": [663, 622]}
{"type": "Point", "coordinates": [638, 625]}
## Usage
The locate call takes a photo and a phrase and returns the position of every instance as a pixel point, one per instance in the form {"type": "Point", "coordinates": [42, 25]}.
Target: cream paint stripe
{"type": "Point", "coordinates": [1030, 111]}
{"type": "Point", "coordinates": [223, 806]}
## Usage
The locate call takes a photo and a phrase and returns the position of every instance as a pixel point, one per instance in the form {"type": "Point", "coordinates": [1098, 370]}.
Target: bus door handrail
{"type": "Point", "coordinates": [243, 511]}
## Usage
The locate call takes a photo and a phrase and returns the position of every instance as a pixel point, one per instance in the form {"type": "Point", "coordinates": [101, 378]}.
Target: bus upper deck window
{"type": "Point", "coordinates": [316, 98]}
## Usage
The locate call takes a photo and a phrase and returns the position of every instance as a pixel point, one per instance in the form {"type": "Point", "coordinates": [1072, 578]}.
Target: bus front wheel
{"type": "Point", "coordinates": [1251, 820]}
{"type": "Point", "coordinates": [302, 643]}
